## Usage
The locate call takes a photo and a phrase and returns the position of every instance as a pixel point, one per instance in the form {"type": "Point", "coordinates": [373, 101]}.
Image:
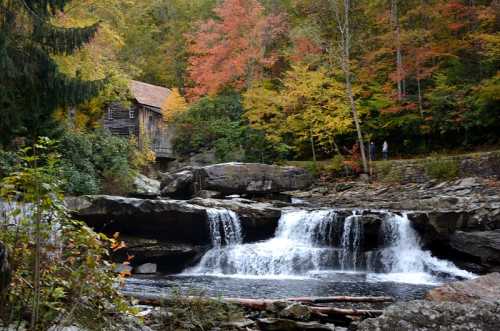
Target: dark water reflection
{"type": "Point", "coordinates": [346, 284]}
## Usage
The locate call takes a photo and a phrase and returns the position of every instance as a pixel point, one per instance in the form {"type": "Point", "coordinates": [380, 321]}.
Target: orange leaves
{"type": "Point", "coordinates": [232, 50]}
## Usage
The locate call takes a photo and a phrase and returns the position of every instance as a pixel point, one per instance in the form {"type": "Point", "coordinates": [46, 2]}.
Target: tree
{"type": "Point", "coordinates": [174, 104]}
{"type": "Point", "coordinates": [342, 10]}
{"type": "Point", "coordinates": [31, 85]}
{"type": "Point", "coordinates": [232, 50]}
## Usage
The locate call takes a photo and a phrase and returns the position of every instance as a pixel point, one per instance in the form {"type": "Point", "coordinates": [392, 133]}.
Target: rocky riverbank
{"type": "Point", "coordinates": [468, 305]}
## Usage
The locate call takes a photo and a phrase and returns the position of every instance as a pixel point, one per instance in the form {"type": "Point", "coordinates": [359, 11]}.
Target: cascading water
{"type": "Point", "coordinates": [320, 241]}
{"type": "Point", "coordinates": [225, 227]}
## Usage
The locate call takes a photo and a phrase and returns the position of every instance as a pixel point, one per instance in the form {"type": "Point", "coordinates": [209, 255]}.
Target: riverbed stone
{"type": "Point", "coordinates": [296, 311]}
{"type": "Point", "coordinates": [123, 268]}
{"type": "Point", "coordinates": [146, 268]}
{"type": "Point", "coordinates": [485, 288]}
{"type": "Point", "coordinates": [169, 257]}
{"type": "Point", "coordinates": [424, 315]}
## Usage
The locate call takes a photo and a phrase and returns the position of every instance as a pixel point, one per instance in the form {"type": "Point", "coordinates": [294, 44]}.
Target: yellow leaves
{"type": "Point", "coordinates": [174, 104]}
{"type": "Point", "coordinates": [310, 102]}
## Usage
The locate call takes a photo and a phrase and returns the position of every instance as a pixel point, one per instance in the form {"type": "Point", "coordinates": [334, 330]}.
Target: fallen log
{"type": "Point", "coordinates": [346, 312]}
{"type": "Point", "coordinates": [312, 300]}
{"type": "Point", "coordinates": [264, 304]}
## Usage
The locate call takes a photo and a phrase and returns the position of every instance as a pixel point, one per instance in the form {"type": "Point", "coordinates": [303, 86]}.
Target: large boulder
{"type": "Point", "coordinates": [483, 245]}
{"type": "Point", "coordinates": [424, 315]}
{"type": "Point", "coordinates": [4, 268]}
{"type": "Point", "coordinates": [145, 187]}
{"type": "Point", "coordinates": [235, 178]}
{"type": "Point", "coordinates": [485, 288]}
{"type": "Point", "coordinates": [178, 185]}
{"type": "Point", "coordinates": [254, 178]}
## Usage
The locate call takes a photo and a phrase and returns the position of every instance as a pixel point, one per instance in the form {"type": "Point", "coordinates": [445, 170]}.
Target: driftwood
{"type": "Point", "coordinates": [265, 304]}
{"type": "Point", "coordinates": [312, 300]}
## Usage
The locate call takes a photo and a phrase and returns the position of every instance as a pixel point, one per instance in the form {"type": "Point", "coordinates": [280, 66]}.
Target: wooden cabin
{"type": "Point", "coordinates": [144, 118]}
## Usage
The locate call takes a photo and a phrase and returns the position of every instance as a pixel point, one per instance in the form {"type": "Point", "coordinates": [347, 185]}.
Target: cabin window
{"type": "Point", "coordinates": [131, 114]}
{"type": "Point", "coordinates": [110, 113]}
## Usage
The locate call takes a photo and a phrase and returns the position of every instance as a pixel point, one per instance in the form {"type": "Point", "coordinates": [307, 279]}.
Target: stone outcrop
{"type": "Point", "coordinates": [485, 288]}
{"type": "Point", "coordinates": [424, 315]}
{"type": "Point", "coordinates": [174, 234]}
{"type": "Point", "coordinates": [4, 268]}
{"type": "Point", "coordinates": [484, 245]}
{"type": "Point", "coordinates": [235, 178]}
{"type": "Point", "coordinates": [168, 220]}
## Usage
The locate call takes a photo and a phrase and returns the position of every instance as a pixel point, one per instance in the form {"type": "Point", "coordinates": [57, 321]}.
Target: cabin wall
{"type": "Point", "coordinates": [117, 119]}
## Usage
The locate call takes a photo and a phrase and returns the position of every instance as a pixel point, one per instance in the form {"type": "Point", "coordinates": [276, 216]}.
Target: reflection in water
{"type": "Point", "coordinates": [341, 284]}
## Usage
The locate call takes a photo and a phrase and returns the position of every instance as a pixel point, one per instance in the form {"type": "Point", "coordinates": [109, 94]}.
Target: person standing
{"type": "Point", "coordinates": [385, 150]}
{"type": "Point", "coordinates": [372, 151]}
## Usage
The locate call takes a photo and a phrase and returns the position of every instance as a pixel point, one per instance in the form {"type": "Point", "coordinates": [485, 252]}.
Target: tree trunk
{"type": "Point", "coordinates": [399, 55]}
{"type": "Point", "coordinates": [4, 269]}
{"type": "Point", "coordinates": [345, 33]}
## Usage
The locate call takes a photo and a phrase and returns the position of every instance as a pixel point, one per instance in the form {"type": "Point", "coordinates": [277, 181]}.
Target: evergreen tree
{"type": "Point", "coordinates": [31, 86]}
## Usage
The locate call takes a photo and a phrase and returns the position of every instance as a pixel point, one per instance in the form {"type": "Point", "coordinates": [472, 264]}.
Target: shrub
{"type": "Point", "coordinates": [59, 272]}
{"type": "Point", "coordinates": [442, 168]}
{"type": "Point", "coordinates": [100, 162]}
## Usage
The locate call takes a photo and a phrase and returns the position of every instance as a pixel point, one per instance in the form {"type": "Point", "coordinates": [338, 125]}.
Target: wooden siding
{"type": "Point", "coordinates": [147, 124]}
{"type": "Point", "coordinates": [120, 123]}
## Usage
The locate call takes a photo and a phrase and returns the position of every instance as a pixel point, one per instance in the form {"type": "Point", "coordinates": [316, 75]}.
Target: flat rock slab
{"type": "Point", "coordinates": [485, 288]}
{"type": "Point", "coordinates": [423, 315]}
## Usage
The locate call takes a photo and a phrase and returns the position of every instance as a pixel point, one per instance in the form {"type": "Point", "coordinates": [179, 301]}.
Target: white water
{"type": "Point", "coordinates": [311, 243]}
{"type": "Point", "coordinates": [225, 227]}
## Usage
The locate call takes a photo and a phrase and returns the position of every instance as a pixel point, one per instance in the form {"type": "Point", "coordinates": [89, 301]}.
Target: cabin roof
{"type": "Point", "coordinates": [148, 94]}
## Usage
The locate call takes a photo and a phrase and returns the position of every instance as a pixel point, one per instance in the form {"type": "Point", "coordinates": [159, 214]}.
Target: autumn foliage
{"type": "Point", "coordinates": [233, 49]}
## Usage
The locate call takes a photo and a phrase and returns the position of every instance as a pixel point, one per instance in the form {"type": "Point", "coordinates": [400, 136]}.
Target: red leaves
{"type": "Point", "coordinates": [233, 50]}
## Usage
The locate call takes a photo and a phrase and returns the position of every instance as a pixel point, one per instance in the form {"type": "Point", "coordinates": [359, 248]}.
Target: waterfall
{"type": "Point", "coordinates": [320, 241]}
{"type": "Point", "coordinates": [225, 227]}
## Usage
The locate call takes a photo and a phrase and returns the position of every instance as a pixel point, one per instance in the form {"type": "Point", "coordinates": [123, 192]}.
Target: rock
{"type": "Point", "coordinates": [297, 312]}
{"type": "Point", "coordinates": [169, 257]}
{"type": "Point", "coordinates": [281, 324]}
{"type": "Point", "coordinates": [240, 325]}
{"type": "Point", "coordinates": [123, 268]}
{"type": "Point", "coordinates": [485, 288]}
{"type": "Point", "coordinates": [146, 268]}
{"type": "Point", "coordinates": [422, 315]}
{"type": "Point", "coordinates": [206, 194]}
{"type": "Point", "coordinates": [179, 185]}
{"type": "Point", "coordinates": [235, 178]}
{"type": "Point", "coordinates": [167, 220]}
{"type": "Point", "coordinates": [485, 245]}
{"type": "Point", "coordinates": [4, 268]}
{"type": "Point", "coordinates": [66, 328]}
{"type": "Point", "coordinates": [259, 220]}
{"type": "Point", "coordinates": [145, 187]}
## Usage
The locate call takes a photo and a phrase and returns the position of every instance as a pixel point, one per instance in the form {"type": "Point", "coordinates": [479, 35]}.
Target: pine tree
{"type": "Point", "coordinates": [31, 85]}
